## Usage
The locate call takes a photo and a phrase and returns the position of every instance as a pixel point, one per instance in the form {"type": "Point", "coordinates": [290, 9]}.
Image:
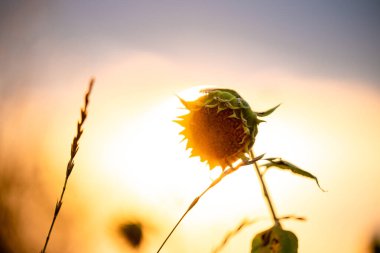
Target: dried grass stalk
{"type": "Point", "coordinates": [70, 164]}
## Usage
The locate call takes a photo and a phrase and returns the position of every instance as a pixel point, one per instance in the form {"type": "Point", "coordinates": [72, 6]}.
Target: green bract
{"type": "Point", "coordinates": [220, 127]}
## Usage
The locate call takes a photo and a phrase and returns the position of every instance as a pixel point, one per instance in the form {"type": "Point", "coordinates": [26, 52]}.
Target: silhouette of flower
{"type": "Point", "coordinates": [220, 127]}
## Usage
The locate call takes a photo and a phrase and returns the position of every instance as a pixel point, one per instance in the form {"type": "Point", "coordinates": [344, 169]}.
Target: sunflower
{"type": "Point", "coordinates": [220, 127]}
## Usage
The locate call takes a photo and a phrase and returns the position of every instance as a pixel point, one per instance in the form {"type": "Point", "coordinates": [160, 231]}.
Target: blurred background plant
{"type": "Point", "coordinates": [11, 185]}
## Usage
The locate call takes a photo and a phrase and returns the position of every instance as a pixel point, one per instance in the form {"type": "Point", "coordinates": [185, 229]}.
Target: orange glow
{"type": "Point", "coordinates": [319, 59]}
{"type": "Point", "coordinates": [132, 164]}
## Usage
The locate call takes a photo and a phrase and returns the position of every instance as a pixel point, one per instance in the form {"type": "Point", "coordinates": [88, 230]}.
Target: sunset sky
{"type": "Point", "coordinates": [319, 59]}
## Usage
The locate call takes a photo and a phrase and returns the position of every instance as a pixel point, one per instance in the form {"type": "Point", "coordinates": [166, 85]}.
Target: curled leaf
{"type": "Point", "coordinates": [267, 112]}
{"type": "Point", "coordinates": [292, 217]}
{"type": "Point", "coordinates": [252, 161]}
{"type": "Point", "coordinates": [275, 240]}
{"type": "Point", "coordinates": [285, 165]}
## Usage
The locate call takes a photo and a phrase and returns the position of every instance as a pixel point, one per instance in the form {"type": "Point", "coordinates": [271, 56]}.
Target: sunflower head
{"type": "Point", "coordinates": [220, 127]}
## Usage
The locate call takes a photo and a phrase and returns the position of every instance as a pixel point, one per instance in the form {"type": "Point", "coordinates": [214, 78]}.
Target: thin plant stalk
{"type": "Point", "coordinates": [195, 201]}
{"type": "Point", "coordinates": [215, 182]}
{"type": "Point", "coordinates": [243, 224]}
{"type": "Point", "coordinates": [265, 191]}
{"type": "Point", "coordinates": [70, 164]}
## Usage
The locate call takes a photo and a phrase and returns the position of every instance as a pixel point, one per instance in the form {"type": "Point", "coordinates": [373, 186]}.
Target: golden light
{"type": "Point", "coordinates": [146, 157]}
{"type": "Point", "coordinates": [133, 165]}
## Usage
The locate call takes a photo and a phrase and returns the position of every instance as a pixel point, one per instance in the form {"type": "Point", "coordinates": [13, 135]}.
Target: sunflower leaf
{"type": "Point", "coordinates": [275, 240]}
{"type": "Point", "coordinates": [285, 165]}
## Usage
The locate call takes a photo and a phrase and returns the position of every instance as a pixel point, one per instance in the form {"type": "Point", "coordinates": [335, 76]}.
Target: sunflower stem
{"type": "Point", "coordinates": [276, 220]}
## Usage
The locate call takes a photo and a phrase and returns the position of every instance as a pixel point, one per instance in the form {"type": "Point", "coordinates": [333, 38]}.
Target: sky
{"type": "Point", "coordinates": [319, 59]}
{"type": "Point", "coordinates": [333, 39]}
